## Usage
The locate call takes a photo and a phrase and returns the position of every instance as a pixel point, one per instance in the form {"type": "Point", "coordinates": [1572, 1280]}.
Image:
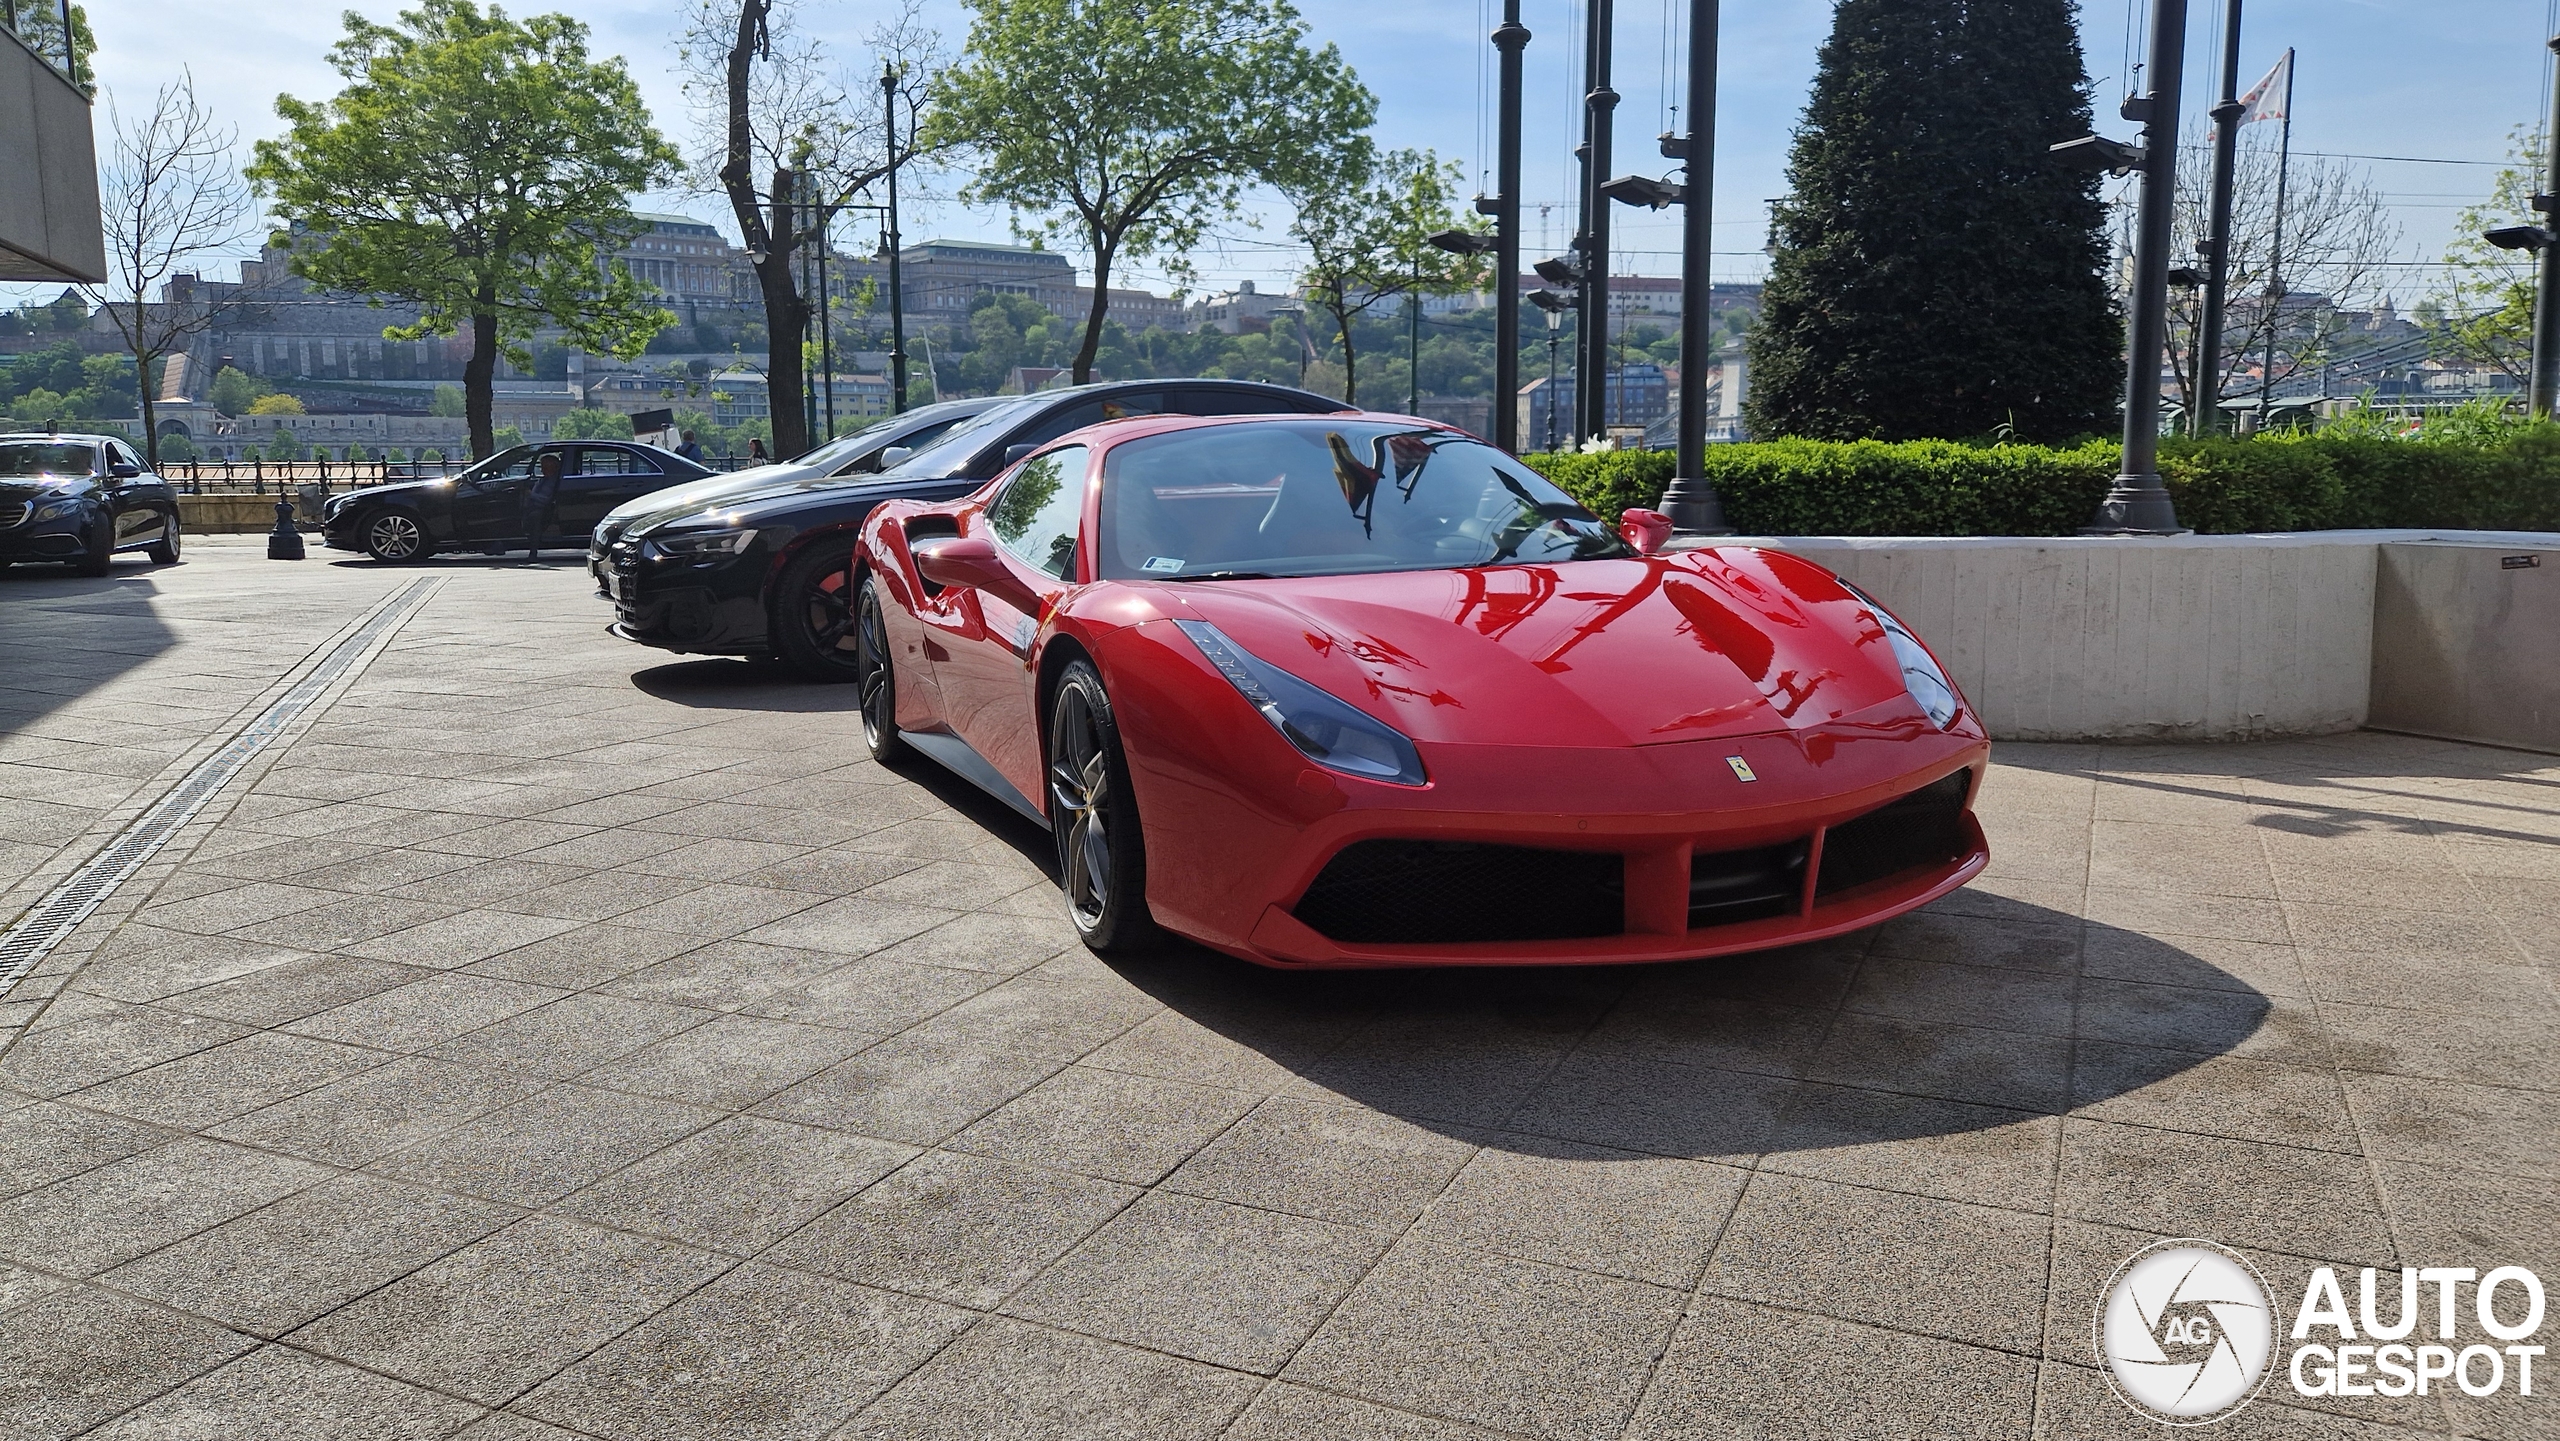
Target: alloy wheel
{"type": "Point", "coordinates": [872, 674]}
{"type": "Point", "coordinates": [1080, 785]}
{"type": "Point", "coordinates": [393, 536]}
{"type": "Point", "coordinates": [829, 608]}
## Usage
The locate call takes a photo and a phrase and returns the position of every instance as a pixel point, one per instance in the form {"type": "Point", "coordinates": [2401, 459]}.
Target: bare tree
{"type": "Point", "coordinates": [2338, 237]}
{"type": "Point", "coordinates": [170, 197]}
{"type": "Point", "coordinates": [770, 106]}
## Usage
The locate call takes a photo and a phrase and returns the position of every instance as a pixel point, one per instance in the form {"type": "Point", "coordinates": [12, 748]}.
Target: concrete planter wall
{"type": "Point", "coordinates": [2222, 637]}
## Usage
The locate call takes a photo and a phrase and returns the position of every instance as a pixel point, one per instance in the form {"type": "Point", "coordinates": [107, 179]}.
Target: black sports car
{"type": "Point", "coordinates": [80, 499]}
{"type": "Point", "coordinates": [483, 508]}
{"type": "Point", "coordinates": [868, 450]}
{"type": "Point", "coordinates": [767, 572]}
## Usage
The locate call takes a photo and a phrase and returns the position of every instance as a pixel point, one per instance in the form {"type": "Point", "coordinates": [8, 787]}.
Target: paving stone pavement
{"type": "Point", "coordinates": [553, 1038]}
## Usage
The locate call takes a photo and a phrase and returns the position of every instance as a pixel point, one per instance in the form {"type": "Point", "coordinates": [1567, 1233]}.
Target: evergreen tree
{"type": "Point", "coordinates": [1937, 273]}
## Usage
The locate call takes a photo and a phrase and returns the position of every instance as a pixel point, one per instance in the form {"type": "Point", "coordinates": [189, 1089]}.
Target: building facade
{"type": "Point", "coordinates": [48, 152]}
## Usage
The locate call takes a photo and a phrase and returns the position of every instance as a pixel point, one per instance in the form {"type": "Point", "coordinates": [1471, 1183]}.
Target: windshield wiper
{"type": "Point", "coordinates": [1223, 575]}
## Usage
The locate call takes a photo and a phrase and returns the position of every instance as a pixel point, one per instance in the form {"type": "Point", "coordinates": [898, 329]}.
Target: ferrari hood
{"type": "Point", "coordinates": [1607, 652]}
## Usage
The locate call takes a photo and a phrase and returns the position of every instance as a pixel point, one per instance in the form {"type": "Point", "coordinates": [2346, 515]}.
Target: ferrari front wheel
{"type": "Point", "coordinates": [875, 676]}
{"type": "Point", "coordinates": [1102, 856]}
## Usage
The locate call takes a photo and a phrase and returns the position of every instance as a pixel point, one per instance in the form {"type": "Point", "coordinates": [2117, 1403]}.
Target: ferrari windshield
{"type": "Point", "coordinates": [23, 458]}
{"type": "Point", "coordinates": [1331, 497]}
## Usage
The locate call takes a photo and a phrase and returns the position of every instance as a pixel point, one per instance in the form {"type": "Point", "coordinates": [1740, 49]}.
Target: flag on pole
{"type": "Point", "coordinates": [2272, 97]}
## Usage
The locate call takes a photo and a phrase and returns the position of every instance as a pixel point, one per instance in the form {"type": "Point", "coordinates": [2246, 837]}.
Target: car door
{"type": "Point", "coordinates": [602, 477]}
{"type": "Point", "coordinates": [1034, 520]}
{"type": "Point", "coordinates": [129, 496]}
{"type": "Point", "coordinates": [489, 506]}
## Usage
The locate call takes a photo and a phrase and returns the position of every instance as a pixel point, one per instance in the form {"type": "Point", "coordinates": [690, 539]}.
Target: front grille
{"type": "Point", "coordinates": [1393, 892]}
{"type": "Point", "coordinates": [1923, 829]}
{"type": "Point", "coordinates": [1729, 887]}
{"type": "Point", "coordinates": [14, 513]}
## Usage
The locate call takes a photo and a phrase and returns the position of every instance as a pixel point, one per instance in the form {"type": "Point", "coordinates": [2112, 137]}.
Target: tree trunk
{"type": "Point", "coordinates": [1350, 363]}
{"type": "Point", "coordinates": [786, 317]}
{"type": "Point", "coordinates": [477, 374]}
{"type": "Point", "coordinates": [143, 389]}
{"type": "Point", "coordinates": [1094, 313]}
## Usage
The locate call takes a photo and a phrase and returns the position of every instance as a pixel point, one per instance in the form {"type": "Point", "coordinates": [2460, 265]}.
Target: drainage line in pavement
{"type": "Point", "coordinates": [59, 914]}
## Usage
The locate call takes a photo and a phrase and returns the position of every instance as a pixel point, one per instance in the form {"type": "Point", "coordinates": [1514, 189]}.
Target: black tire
{"type": "Point", "coordinates": [813, 614]}
{"type": "Point", "coordinates": [876, 674]}
{"type": "Point", "coordinates": [101, 552]}
{"type": "Point", "coordinates": [164, 551]}
{"type": "Point", "coordinates": [394, 537]}
{"type": "Point", "coordinates": [1102, 853]}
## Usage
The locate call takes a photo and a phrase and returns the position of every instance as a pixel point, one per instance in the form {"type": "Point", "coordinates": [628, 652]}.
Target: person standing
{"type": "Point", "coordinates": [756, 452]}
{"type": "Point", "coordinates": [691, 449]}
{"type": "Point", "coordinates": [541, 494]}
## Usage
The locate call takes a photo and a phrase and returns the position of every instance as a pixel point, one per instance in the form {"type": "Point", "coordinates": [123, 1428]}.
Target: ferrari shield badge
{"type": "Point", "coordinates": [1741, 768]}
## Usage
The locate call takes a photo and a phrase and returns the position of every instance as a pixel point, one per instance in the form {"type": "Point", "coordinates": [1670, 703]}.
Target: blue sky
{"type": "Point", "coordinates": [2438, 79]}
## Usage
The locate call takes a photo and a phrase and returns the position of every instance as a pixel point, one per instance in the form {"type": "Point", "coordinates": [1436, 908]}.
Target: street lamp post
{"type": "Point", "coordinates": [897, 293]}
{"type": "Point", "coordinates": [2139, 504]}
{"type": "Point", "coordinates": [1591, 340]}
{"type": "Point", "coordinates": [2215, 248]}
{"type": "Point", "coordinates": [2542, 391]}
{"type": "Point", "coordinates": [1510, 38]}
{"type": "Point", "coordinates": [1555, 306]}
{"type": "Point", "coordinates": [1691, 500]}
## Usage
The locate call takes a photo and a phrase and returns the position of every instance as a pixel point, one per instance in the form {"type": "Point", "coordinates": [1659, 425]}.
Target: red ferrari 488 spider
{"type": "Point", "coordinates": [1360, 690]}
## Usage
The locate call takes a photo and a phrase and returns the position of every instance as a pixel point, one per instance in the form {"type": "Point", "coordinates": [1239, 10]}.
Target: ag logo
{"type": "Point", "coordinates": [2185, 1331]}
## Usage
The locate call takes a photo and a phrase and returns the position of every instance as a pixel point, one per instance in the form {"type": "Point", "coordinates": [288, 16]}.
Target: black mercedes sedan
{"type": "Point", "coordinates": [765, 573]}
{"type": "Point", "coordinates": [79, 499]}
{"type": "Point", "coordinates": [483, 509]}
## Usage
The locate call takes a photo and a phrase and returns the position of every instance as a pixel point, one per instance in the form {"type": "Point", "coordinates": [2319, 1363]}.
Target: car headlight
{"type": "Point", "coordinates": [1327, 730]}
{"type": "Point", "coordinates": [56, 510]}
{"type": "Point", "coordinates": [702, 544]}
{"type": "Point", "coordinates": [1920, 674]}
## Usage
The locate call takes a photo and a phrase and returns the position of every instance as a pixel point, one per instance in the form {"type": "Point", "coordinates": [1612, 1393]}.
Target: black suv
{"type": "Point", "coordinates": [80, 499]}
{"type": "Point", "coordinates": [766, 572]}
{"type": "Point", "coordinates": [482, 509]}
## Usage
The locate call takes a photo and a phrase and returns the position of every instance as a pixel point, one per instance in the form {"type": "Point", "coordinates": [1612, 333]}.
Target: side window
{"type": "Point", "coordinates": [1092, 412]}
{"type": "Point", "coordinates": [612, 460]}
{"type": "Point", "coordinates": [122, 456]}
{"type": "Point", "coordinates": [1037, 513]}
{"type": "Point", "coordinates": [1208, 401]}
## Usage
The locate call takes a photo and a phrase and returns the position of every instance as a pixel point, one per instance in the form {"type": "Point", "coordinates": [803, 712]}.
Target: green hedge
{"type": "Point", "coordinates": [2324, 480]}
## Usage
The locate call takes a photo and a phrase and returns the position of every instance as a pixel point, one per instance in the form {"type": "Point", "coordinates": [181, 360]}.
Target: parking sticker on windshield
{"type": "Point", "coordinates": [1161, 565]}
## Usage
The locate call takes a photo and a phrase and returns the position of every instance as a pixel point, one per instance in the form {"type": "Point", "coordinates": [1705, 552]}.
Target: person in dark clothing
{"type": "Point", "coordinates": [540, 495]}
{"type": "Point", "coordinates": [691, 449]}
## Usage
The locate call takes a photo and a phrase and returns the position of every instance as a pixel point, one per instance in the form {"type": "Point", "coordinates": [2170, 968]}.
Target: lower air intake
{"type": "Point", "coordinates": [1728, 887]}
{"type": "Point", "coordinates": [1447, 892]}
{"type": "Point", "coordinates": [1923, 829]}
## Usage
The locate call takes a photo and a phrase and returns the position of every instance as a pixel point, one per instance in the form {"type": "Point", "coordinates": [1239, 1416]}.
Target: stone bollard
{"type": "Point", "coordinates": [284, 542]}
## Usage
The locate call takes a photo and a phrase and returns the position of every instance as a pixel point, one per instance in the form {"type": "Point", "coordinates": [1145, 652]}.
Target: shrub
{"type": "Point", "coordinates": [2463, 474]}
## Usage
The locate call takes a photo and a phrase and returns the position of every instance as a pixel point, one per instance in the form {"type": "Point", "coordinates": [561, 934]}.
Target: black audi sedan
{"type": "Point", "coordinates": [80, 499]}
{"type": "Point", "coordinates": [765, 573]}
{"type": "Point", "coordinates": [483, 508]}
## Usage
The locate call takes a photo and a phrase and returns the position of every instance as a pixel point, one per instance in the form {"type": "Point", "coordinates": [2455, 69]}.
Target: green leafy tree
{"type": "Point", "coordinates": [276, 405]}
{"type": "Point", "coordinates": [1133, 126]}
{"type": "Point", "coordinates": [446, 401]}
{"type": "Point", "coordinates": [506, 437]}
{"type": "Point", "coordinates": [2486, 294]}
{"type": "Point", "coordinates": [1936, 272]}
{"type": "Point", "coordinates": [234, 390]}
{"type": "Point", "coordinates": [592, 425]}
{"type": "Point", "coordinates": [480, 167]}
{"type": "Point", "coordinates": [1364, 226]}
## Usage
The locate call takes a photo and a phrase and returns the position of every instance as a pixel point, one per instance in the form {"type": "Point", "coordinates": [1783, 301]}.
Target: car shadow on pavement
{"type": "Point", "coordinates": [64, 635]}
{"type": "Point", "coordinates": [735, 684]}
{"type": "Point", "coordinates": [1987, 1018]}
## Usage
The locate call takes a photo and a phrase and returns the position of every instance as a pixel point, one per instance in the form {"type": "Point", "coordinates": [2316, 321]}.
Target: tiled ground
{"type": "Point", "coordinates": [556, 1039]}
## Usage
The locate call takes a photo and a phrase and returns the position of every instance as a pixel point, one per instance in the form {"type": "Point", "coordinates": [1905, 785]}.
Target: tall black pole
{"type": "Point", "coordinates": [826, 217]}
{"type": "Point", "coordinates": [1510, 38]}
{"type": "Point", "coordinates": [2275, 250]}
{"type": "Point", "coordinates": [2544, 390]}
{"type": "Point", "coordinates": [2139, 504]}
{"type": "Point", "coordinates": [1690, 500]}
{"type": "Point", "coordinates": [897, 293]}
{"type": "Point", "coordinates": [2205, 381]}
{"type": "Point", "coordinates": [1591, 339]}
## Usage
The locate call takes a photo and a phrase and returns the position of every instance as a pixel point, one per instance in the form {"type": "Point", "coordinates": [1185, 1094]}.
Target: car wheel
{"type": "Point", "coordinates": [393, 538]}
{"type": "Point", "coordinates": [876, 676]}
{"type": "Point", "coordinates": [1102, 856]}
{"type": "Point", "coordinates": [101, 552]}
{"type": "Point", "coordinates": [813, 614]}
{"type": "Point", "coordinates": [164, 551]}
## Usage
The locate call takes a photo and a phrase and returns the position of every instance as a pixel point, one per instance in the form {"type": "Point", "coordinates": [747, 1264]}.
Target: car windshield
{"type": "Point", "coordinates": [845, 447]}
{"type": "Point", "coordinates": [512, 462]}
{"type": "Point", "coordinates": [955, 446]}
{"type": "Point", "coordinates": [1331, 497]}
{"type": "Point", "coordinates": [25, 458]}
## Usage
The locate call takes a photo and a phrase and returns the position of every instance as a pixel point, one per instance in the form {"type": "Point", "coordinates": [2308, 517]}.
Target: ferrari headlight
{"type": "Point", "coordinates": [703, 544]}
{"type": "Point", "coordinates": [1920, 674]}
{"type": "Point", "coordinates": [1327, 730]}
{"type": "Point", "coordinates": [55, 511]}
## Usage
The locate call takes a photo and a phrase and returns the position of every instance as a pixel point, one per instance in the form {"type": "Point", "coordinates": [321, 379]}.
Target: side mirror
{"type": "Point", "coordinates": [122, 471]}
{"type": "Point", "coordinates": [1014, 453]}
{"type": "Point", "coordinates": [1647, 530]}
{"type": "Point", "coordinates": [896, 455]}
{"type": "Point", "coordinates": [973, 564]}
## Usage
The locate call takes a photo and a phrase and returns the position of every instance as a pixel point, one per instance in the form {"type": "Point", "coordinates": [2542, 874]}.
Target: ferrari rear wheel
{"type": "Point", "coordinates": [876, 676]}
{"type": "Point", "coordinates": [813, 614]}
{"type": "Point", "coordinates": [1102, 855]}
